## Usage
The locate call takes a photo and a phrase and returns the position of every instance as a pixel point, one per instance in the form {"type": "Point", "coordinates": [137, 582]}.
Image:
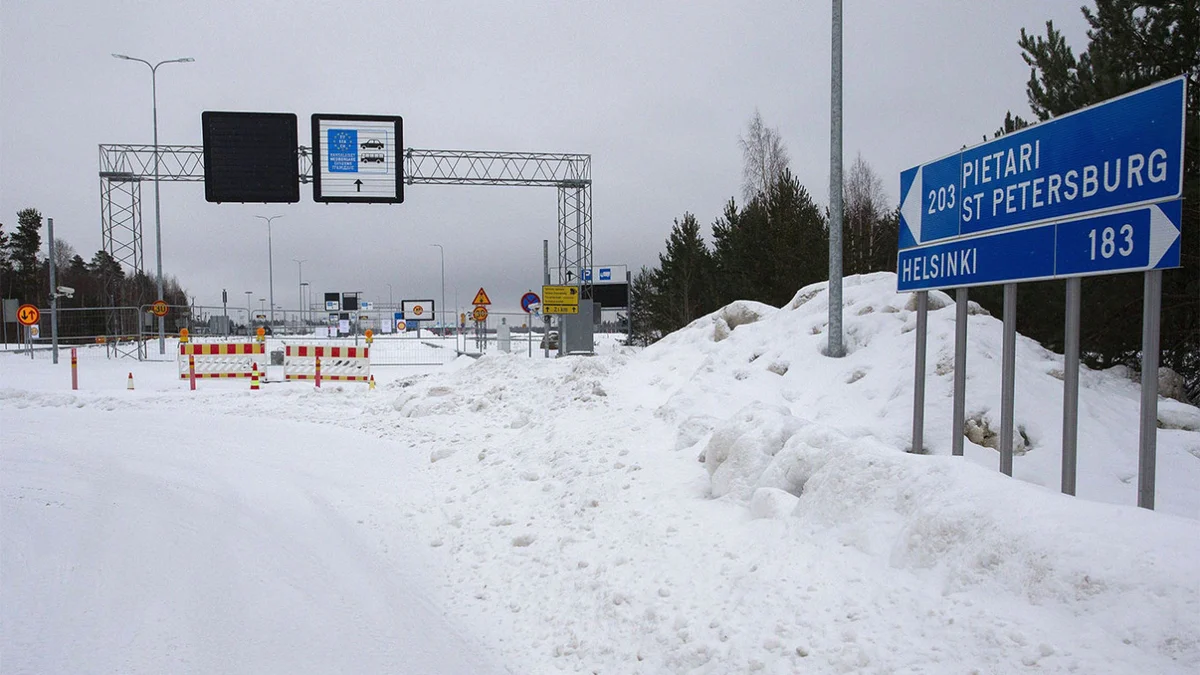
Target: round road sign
{"type": "Point", "coordinates": [479, 313]}
{"type": "Point", "coordinates": [159, 308]}
{"type": "Point", "coordinates": [28, 315]}
{"type": "Point", "coordinates": [529, 300]}
{"type": "Point", "coordinates": [418, 310]}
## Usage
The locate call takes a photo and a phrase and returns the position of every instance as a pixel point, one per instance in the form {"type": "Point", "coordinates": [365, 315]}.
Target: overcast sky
{"type": "Point", "coordinates": [656, 92]}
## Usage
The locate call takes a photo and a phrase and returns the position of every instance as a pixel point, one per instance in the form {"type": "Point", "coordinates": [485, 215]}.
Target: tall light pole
{"type": "Point", "coordinates": [270, 266]}
{"type": "Point", "coordinates": [389, 295]}
{"type": "Point", "coordinates": [300, 264]}
{"type": "Point", "coordinates": [249, 312]}
{"type": "Point", "coordinates": [304, 308]}
{"type": "Point", "coordinates": [162, 344]}
{"type": "Point", "coordinates": [442, 251]}
{"type": "Point", "coordinates": [834, 347]}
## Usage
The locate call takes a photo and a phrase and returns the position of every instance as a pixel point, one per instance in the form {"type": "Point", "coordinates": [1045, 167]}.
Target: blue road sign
{"type": "Point", "coordinates": [587, 274]}
{"type": "Point", "coordinates": [1123, 152]}
{"type": "Point", "coordinates": [529, 300]}
{"type": "Point", "coordinates": [1137, 239]}
{"type": "Point", "coordinates": [342, 146]}
{"type": "Point", "coordinates": [605, 274]}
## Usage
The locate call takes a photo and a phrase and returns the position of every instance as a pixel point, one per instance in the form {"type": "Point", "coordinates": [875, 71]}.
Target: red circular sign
{"type": "Point", "coordinates": [159, 308]}
{"type": "Point", "coordinates": [28, 315]}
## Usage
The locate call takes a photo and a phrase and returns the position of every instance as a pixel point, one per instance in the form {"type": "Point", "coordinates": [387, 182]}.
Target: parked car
{"type": "Point", "coordinates": [550, 340]}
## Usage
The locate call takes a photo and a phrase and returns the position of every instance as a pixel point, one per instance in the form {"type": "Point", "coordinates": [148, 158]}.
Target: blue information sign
{"type": "Point", "coordinates": [1141, 238]}
{"type": "Point", "coordinates": [1124, 152]}
{"type": "Point", "coordinates": [342, 146]}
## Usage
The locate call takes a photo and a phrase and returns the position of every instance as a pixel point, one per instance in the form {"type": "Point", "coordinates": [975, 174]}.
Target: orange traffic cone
{"type": "Point", "coordinates": [372, 383]}
{"type": "Point", "coordinates": [254, 376]}
{"type": "Point", "coordinates": [129, 383]}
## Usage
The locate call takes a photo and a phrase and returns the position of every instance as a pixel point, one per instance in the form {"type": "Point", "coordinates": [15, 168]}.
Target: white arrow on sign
{"type": "Point", "coordinates": [1163, 233]}
{"type": "Point", "coordinates": [910, 208]}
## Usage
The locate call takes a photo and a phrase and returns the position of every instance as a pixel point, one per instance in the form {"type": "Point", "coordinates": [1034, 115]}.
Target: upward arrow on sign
{"type": "Point", "coordinates": [481, 298]}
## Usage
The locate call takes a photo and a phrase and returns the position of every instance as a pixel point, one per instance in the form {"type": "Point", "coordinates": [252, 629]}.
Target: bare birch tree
{"type": "Point", "coordinates": [764, 157]}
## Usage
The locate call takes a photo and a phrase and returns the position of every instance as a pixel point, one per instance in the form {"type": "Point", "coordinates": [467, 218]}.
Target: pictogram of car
{"type": "Point", "coordinates": [371, 157]}
{"type": "Point", "coordinates": [373, 143]}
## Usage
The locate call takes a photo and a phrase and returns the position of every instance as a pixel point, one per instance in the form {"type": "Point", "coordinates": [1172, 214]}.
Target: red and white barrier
{"type": "Point", "coordinates": [218, 359]}
{"type": "Point", "coordinates": [344, 364]}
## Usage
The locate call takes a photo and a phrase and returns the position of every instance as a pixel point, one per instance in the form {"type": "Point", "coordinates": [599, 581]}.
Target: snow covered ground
{"type": "Point", "coordinates": [727, 500]}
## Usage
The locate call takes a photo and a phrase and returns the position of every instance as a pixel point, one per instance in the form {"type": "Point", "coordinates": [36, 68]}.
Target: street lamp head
{"type": "Point", "coordinates": [122, 56]}
{"type": "Point", "coordinates": [186, 59]}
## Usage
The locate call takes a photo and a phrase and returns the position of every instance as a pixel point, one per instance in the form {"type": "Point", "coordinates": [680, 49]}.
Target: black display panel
{"type": "Point", "coordinates": [250, 157]}
{"type": "Point", "coordinates": [611, 296]}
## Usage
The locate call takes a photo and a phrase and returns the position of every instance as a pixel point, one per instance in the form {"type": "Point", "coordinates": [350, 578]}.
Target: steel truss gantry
{"type": "Point", "coordinates": [124, 167]}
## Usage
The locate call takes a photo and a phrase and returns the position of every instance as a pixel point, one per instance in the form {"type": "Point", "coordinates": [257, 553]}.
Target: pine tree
{"type": "Point", "coordinates": [6, 266]}
{"type": "Point", "coordinates": [1132, 44]}
{"type": "Point", "coordinates": [687, 274]}
{"type": "Point", "coordinates": [23, 249]}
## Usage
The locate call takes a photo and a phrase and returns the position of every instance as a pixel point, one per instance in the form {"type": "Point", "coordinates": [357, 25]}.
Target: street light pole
{"type": "Point", "coordinates": [304, 308]}
{"type": "Point", "coordinates": [249, 312]}
{"type": "Point", "coordinates": [300, 264]}
{"type": "Point", "coordinates": [162, 344]}
{"type": "Point", "coordinates": [442, 251]}
{"type": "Point", "coordinates": [270, 266]}
{"type": "Point", "coordinates": [389, 296]}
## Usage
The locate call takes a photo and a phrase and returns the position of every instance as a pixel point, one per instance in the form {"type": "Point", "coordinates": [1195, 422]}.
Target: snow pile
{"type": "Point", "coordinates": [694, 380]}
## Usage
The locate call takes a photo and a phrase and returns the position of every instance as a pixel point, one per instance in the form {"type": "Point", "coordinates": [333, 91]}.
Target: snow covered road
{"type": "Point", "coordinates": [147, 541]}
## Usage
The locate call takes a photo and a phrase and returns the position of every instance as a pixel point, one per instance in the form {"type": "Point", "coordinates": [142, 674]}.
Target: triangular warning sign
{"type": "Point", "coordinates": [481, 298]}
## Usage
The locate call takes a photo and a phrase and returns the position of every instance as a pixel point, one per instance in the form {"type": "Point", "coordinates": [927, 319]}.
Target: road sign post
{"type": "Point", "coordinates": [1096, 191]}
{"type": "Point", "coordinates": [560, 299]}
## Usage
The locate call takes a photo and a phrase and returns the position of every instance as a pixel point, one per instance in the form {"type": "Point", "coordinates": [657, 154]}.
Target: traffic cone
{"type": "Point", "coordinates": [129, 383]}
{"type": "Point", "coordinates": [372, 383]}
{"type": "Point", "coordinates": [254, 376]}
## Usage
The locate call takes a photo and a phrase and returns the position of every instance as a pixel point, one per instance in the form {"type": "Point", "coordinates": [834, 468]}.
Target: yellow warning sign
{"type": "Point", "coordinates": [560, 300]}
{"type": "Point", "coordinates": [481, 298]}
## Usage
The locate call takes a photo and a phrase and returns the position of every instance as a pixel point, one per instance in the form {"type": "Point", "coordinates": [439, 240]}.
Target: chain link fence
{"type": "Point", "coordinates": [131, 332]}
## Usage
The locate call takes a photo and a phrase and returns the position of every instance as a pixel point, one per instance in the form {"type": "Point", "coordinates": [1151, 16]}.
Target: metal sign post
{"type": "Point", "coordinates": [1148, 446]}
{"type": "Point", "coordinates": [918, 440]}
{"type": "Point", "coordinates": [1008, 378]}
{"type": "Point", "coordinates": [1071, 384]}
{"type": "Point", "coordinates": [960, 371]}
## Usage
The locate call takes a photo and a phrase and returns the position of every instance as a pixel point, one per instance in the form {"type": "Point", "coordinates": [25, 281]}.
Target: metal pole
{"type": "Point", "coordinates": [162, 345]}
{"type": "Point", "coordinates": [442, 253]}
{"type": "Point", "coordinates": [918, 433]}
{"type": "Point", "coordinates": [960, 371]}
{"type": "Point", "coordinates": [1148, 440]}
{"type": "Point", "coordinates": [270, 275]}
{"type": "Point", "coordinates": [249, 312]}
{"type": "Point", "coordinates": [1008, 377]}
{"type": "Point", "coordinates": [1071, 385]}
{"type": "Point", "coordinates": [162, 340]}
{"type": "Point", "coordinates": [834, 348]}
{"type": "Point", "coordinates": [300, 283]}
{"type": "Point", "coordinates": [53, 293]}
{"type": "Point", "coordinates": [270, 267]}
{"type": "Point", "coordinates": [546, 281]}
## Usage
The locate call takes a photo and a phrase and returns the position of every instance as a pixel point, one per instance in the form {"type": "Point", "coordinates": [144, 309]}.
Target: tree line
{"type": "Point", "coordinates": [98, 282]}
{"type": "Point", "coordinates": [777, 241]}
